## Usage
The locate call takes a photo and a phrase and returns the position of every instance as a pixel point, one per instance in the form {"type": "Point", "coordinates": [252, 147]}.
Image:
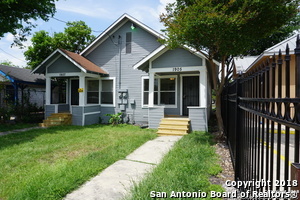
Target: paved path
{"type": "Point", "coordinates": [115, 182]}
{"type": "Point", "coordinates": [19, 130]}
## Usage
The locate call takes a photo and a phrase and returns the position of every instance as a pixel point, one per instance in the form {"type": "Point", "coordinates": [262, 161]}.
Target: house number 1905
{"type": "Point", "coordinates": [177, 69]}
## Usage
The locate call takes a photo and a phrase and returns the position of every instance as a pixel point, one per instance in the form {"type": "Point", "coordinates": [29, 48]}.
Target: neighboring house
{"type": "Point", "coordinates": [251, 63]}
{"type": "Point", "coordinates": [16, 83]}
{"type": "Point", "coordinates": [126, 69]}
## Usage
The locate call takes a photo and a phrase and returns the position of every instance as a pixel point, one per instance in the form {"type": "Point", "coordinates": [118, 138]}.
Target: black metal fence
{"type": "Point", "coordinates": [261, 112]}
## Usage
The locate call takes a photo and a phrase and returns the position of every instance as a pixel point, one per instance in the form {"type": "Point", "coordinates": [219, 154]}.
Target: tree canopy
{"type": "Point", "coordinates": [17, 16]}
{"type": "Point", "coordinates": [224, 28]}
{"type": "Point", "coordinates": [76, 36]}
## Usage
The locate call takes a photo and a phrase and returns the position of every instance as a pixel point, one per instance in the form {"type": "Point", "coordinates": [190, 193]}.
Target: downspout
{"type": "Point", "coordinates": [120, 58]}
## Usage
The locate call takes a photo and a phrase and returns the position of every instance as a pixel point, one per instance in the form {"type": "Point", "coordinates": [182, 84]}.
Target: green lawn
{"type": "Point", "coordinates": [10, 127]}
{"type": "Point", "coordinates": [187, 167]}
{"type": "Point", "coordinates": [49, 163]}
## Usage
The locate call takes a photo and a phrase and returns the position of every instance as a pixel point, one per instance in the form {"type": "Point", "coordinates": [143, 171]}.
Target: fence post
{"type": "Point", "coordinates": [237, 131]}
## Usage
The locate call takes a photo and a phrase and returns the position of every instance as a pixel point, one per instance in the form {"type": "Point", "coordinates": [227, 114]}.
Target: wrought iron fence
{"type": "Point", "coordinates": [261, 112]}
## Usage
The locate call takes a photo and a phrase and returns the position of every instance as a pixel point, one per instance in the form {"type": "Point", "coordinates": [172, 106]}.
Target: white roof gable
{"type": "Point", "coordinates": [291, 42]}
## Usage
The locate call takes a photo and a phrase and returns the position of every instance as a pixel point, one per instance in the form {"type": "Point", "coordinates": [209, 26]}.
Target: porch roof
{"type": "Point", "coordinates": [79, 61]}
{"type": "Point", "coordinates": [143, 64]}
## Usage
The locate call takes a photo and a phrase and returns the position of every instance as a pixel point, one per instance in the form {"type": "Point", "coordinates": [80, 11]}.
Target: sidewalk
{"type": "Point", "coordinates": [115, 182]}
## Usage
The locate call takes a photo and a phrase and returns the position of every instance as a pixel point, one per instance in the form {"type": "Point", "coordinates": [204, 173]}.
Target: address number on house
{"type": "Point", "coordinates": [177, 69]}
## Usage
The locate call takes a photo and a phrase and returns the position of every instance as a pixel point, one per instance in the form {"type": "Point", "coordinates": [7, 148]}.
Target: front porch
{"type": "Point", "coordinates": [197, 119]}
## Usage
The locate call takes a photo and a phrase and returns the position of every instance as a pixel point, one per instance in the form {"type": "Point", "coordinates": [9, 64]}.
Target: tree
{"type": "Point", "coordinates": [74, 38]}
{"type": "Point", "coordinates": [224, 28]}
{"type": "Point", "coordinates": [17, 16]}
{"type": "Point", "coordinates": [7, 63]}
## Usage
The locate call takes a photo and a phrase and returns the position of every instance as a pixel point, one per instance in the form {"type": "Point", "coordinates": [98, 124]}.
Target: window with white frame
{"type": "Point", "coordinates": [167, 91]}
{"type": "Point", "coordinates": [164, 91]}
{"type": "Point", "coordinates": [107, 91]}
{"type": "Point", "coordinates": [93, 91]}
{"type": "Point", "coordinates": [146, 91]}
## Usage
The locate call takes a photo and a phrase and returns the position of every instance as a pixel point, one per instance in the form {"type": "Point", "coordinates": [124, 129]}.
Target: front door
{"type": "Point", "coordinates": [190, 91]}
{"type": "Point", "coordinates": [74, 92]}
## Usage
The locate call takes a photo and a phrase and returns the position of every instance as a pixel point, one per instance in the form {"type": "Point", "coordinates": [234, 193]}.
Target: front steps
{"type": "Point", "coordinates": [57, 119]}
{"type": "Point", "coordinates": [174, 126]}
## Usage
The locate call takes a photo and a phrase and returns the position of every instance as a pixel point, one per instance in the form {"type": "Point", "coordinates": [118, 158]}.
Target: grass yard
{"type": "Point", "coordinates": [10, 127]}
{"type": "Point", "coordinates": [49, 163]}
{"type": "Point", "coordinates": [187, 167]}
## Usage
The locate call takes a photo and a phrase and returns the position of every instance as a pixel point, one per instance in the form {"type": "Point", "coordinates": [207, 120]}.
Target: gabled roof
{"type": "Point", "coordinates": [249, 61]}
{"type": "Point", "coordinates": [21, 75]}
{"type": "Point", "coordinates": [242, 64]}
{"type": "Point", "coordinates": [162, 49]}
{"type": "Point", "coordinates": [114, 27]}
{"type": "Point", "coordinates": [79, 61]}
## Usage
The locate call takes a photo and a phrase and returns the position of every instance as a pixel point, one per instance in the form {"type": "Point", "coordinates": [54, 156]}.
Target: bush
{"type": "Point", "coordinates": [115, 119]}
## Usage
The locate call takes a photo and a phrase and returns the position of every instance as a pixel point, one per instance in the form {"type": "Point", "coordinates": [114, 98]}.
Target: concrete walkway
{"type": "Point", "coordinates": [115, 182]}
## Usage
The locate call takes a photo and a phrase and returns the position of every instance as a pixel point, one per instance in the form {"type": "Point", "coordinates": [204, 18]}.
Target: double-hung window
{"type": "Point", "coordinates": [164, 91]}
{"type": "Point", "coordinates": [93, 91]}
{"type": "Point", "coordinates": [107, 91]}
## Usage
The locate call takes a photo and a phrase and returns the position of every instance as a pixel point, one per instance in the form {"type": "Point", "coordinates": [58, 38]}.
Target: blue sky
{"type": "Point", "coordinates": [98, 14]}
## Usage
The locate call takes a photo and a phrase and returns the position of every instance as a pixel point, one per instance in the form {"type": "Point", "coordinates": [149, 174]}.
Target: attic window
{"type": "Point", "coordinates": [128, 42]}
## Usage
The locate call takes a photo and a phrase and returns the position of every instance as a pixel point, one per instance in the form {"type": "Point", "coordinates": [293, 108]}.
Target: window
{"type": "Point", "coordinates": [164, 91]}
{"type": "Point", "coordinates": [107, 92]}
{"type": "Point", "coordinates": [128, 42]}
{"type": "Point", "coordinates": [146, 91]}
{"type": "Point", "coordinates": [93, 92]}
{"type": "Point", "coordinates": [167, 91]}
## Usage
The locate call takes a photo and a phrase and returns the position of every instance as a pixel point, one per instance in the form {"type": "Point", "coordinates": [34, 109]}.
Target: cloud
{"type": "Point", "coordinates": [87, 8]}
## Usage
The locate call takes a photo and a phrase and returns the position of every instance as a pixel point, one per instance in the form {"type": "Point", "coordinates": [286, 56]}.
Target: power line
{"type": "Point", "coordinates": [67, 22]}
{"type": "Point", "coordinates": [12, 55]}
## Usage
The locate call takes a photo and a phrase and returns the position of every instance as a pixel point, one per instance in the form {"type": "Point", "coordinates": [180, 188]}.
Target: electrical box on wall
{"type": "Point", "coordinates": [122, 107]}
{"type": "Point", "coordinates": [131, 101]}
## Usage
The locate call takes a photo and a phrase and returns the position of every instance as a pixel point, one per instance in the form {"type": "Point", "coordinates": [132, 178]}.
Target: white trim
{"type": "Point", "coordinates": [147, 58]}
{"type": "Point", "coordinates": [72, 61]}
{"type": "Point", "coordinates": [92, 113]}
{"type": "Point", "coordinates": [55, 59]}
{"type": "Point", "coordinates": [67, 74]}
{"type": "Point", "coordinates": [203, 88]}
{"type": "Point", "coordinates": [114, 91]}
{"type": "Point", "coordinates": [86, 91]}
{"type": "Point", "coordinates": [151, 99]}
{"type": "Point", "coordinates": [34, 71]}
{"type": "Point", "coordinates": [181, 92]}
{"type": "Point", "coordinates": [182, 69]}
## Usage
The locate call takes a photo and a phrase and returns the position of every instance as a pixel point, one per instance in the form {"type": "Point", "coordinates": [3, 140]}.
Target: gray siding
{"type": "Point", "coordinates": [63, 108]}
{"type": "Point", "coordinates": [62, 65]}
{"type": "Point", "coordinates": [49, 109]}
{"type": "Point", "coordinates": [155, 116]}
{"type": "Point", "coordinates": [77, 115]}
{"type": "Point", "coordinates": [177, 58]}
{"type": "Point", "coordinates": [106, 55]}
{"type": "Point", "coordinates": [91, 119]}
{"type": "Point", "coordinates": [198, 119]}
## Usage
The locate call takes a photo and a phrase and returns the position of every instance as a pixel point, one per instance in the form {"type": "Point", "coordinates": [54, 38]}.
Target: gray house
{"type": "Point", "coordinates": [127, 70]}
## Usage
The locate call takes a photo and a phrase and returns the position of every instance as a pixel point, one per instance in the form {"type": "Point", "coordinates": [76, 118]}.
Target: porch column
{"type": "Point", "coordinates": [151, 89]}
{"type": "Point", "coordinates": [81, 94]}
{"type": "Point", "coordinates": [203, 88]}
{"type": "Point", "coordinates": [48, 90]}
